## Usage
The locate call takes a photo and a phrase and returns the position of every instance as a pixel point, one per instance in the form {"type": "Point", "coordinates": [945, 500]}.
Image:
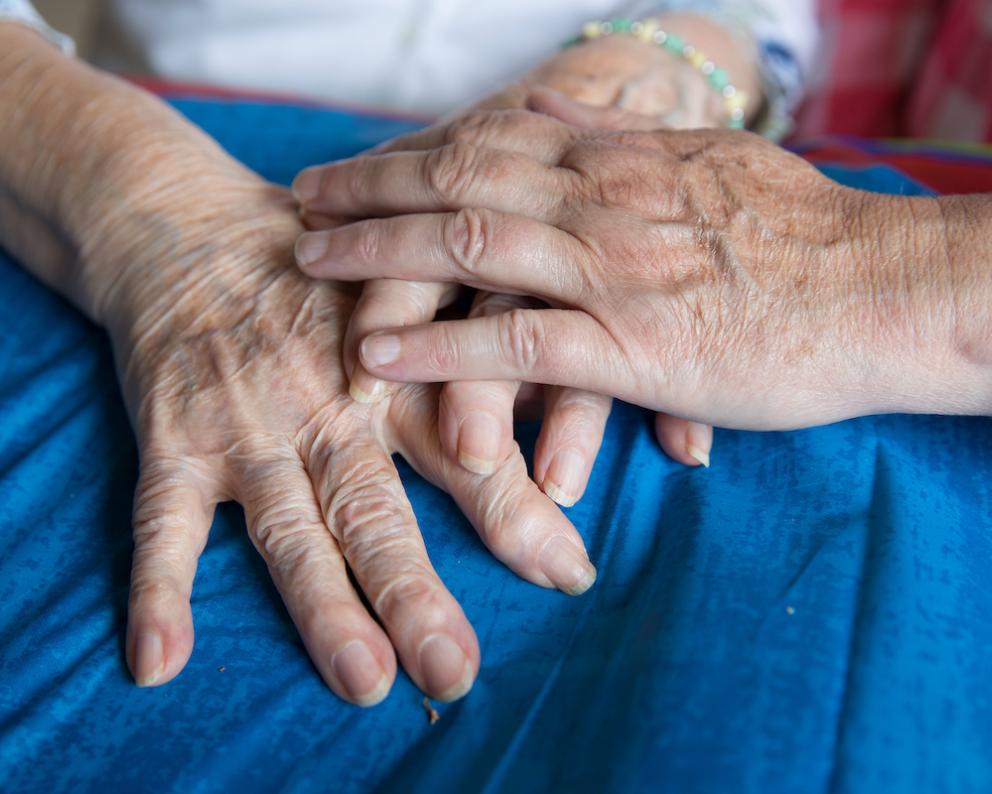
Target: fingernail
{"type": "Point", "coordinates": [445, 668]}
{"type": "Point", "coordinates": [695, 452]}
{"type": "Point", "coordinates": [360, 674]}
{"type": "Point", "coordinates": [698, 442]}
{"type": "Point", "coordinates": [366, 389]}
{"type": "Point", "coordinates": [377, 351]}
{"type": "Point", "coordinates": [478, 443]}
{"type": "Point", "coordinates": [306, 186]}
{"type": "Point", "coordinates": [566, 566]}
{"type": "Point", "coordinates": [149, 660]}
{"type": "Point", "coordinates": [565, 477]}
{"type": "Point", "coordinates": [310, 247]}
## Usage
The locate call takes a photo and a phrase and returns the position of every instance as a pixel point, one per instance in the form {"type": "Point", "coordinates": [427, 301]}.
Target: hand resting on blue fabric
{"type": "Point", "coordinates": [635, 80]}
{"type": "Point", "coordinates": [705, 273]}
{"type": "Point", "coordinates": [231, 365]}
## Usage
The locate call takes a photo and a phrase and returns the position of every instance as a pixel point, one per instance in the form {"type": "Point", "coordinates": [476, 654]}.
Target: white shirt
{"type": "Point", "coordinates": [426, 56]}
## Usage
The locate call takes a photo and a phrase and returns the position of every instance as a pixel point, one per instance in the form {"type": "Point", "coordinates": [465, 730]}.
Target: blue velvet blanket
{"type": "Point", "coordinates": [811, 614]}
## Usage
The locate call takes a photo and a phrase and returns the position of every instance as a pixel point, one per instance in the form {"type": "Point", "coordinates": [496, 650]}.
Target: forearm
{"type": "Point", "coordinates": [83, 157]}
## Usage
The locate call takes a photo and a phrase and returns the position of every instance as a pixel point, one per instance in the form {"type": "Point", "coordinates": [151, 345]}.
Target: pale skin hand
{"type": "Point", "coordinates": [231, 367]}
{"type": "Point", "coordinates": [708, 274]}
{"type": "Point", "coordinates": [477, 417]}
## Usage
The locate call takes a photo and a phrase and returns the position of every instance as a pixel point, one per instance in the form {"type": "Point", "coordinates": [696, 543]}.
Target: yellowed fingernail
{"type": "Point", "coordinates": [479, 442]}
{"type": "Point", "coordinates": [380, 350]}
{"type": "Point", "coordinates": [360, 674]}
{"type": "Point", "coordinates": [149, 658]}
{"type": "Point", "coordinates": [446, 670]}
{"type": "Point", "coordinates": [306, 186]}
{"type": "Point", "coordinates": [310, 247]}
{"type": "Point", "coordinates": [695, 452]}
{"type": "Point", "coordinates": [373, 392]}
{"type": "Point", "coordinates": [558, 495]}
{"type": "Point", "coordinates": [565, 477]}
{"type": "Point", "coordinates": [566, 565]}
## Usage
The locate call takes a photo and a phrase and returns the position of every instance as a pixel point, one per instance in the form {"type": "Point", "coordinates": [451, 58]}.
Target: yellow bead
{"type": "Point", "coordinates": [591, 30]}
{"type": "Point", "coordinates": [647, 31]}
{"type": "Point", "coordinates": [697, 59]}
{"type": "Point", "coordinates": [738, 100]}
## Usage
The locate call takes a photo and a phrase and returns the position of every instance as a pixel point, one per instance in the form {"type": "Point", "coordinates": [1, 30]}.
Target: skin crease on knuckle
{"type": "Point", "coordinates": [521, 338]}
{"type": "Point", "coordinates": [486, 128]}
{"type": "Point", "coordinates": [449, 172]}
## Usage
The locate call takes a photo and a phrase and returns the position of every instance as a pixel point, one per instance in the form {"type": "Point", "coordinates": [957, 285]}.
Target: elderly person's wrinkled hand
{"type": "Point", "coordinates": [710, 274]}
{"type": "Point", "coordinates": [233, 373]}
{"type": "Point", "coordinates": [231, 365]}
{"type": "Point", "coordinates": [476, 417]}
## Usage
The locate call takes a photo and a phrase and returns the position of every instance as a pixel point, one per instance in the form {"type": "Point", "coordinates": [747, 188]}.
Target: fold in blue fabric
{"type": "Point", "coordinates": [811, 614]}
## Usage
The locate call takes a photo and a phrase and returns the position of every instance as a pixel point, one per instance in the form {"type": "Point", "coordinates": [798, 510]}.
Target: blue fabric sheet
{"type": "Point", "coordinates": [811, 614]}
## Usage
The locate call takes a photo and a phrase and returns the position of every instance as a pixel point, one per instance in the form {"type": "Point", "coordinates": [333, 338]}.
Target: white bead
{"type": "Point", "coordinates": [708, 67]}
{"type": "Point", "coordinates": [729, 91]}
{"type": "Point", "coordinates": [688, 51]}
{"type": "Point", "coordinates": [660, 37]}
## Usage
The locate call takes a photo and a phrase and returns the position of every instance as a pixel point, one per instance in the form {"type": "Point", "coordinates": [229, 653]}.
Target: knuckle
{"type": "Point", "coordinates": [148, 589]}
{"type": "Point", "coordinates": [451, 170]}
{"type": "Point", "coordinates": [152, 522]}
{"type": "Point", "coordinates": [481, 127]}
{"type": "Point", "coordinates": [363, 506]}
{"type": "Point", "coordinates": [368, 243]}
{"type": "Point", "coordinates": [282, 537]}
{"type": "Point", "coordinates": [467, 239]}
{"type": "Point", "coordinates": [521, 338]}
{"type": "Point", "coordinates": [471, 128]}
{"type": "Point", "coordinates": [356, 182]}
{"type": "Point", "coordinates": [441, 356]}
{"type": "Point", "coordinates": [414, 592]}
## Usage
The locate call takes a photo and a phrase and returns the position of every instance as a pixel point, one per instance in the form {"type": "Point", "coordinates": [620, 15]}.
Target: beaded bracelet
{"type": "Point", "coordinates": [734, 100]}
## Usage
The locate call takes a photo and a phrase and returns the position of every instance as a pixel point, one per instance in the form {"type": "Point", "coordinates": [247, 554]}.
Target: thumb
{"type": "Point", "coordinates": [579, 114]}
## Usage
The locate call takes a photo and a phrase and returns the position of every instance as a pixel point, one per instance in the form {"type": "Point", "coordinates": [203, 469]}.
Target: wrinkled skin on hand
{"type": "Point", "coordinates": [709, 274]}
{"type": "Point", "coordinates": [476, 418]}
{"type": "Point", "coordinates": [232, 368]}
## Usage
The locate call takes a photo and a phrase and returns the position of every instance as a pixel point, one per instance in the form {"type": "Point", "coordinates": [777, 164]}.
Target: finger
{"type": "Point", "coordinates": [685, 441]}
{"type": "Point", "coordinates": [173, 510]}
{"type": "Point", "coordinates": [350, 651]}
{"type": "Point", "coordinates": [455, 175]}
{"type": "Point", "coordinates": [384, 303]}
{"type": "Point", "coordinates": [578, 114]}
{"type": "Point", "coordinates": [364, 505]}
{"type": "Point", "coordinates": [552, 346]}
{"type": "Point", "coordinates": [479, 248]}
{"type": "Point", "coordinates": [476, 417]}
{"type": "Point", "coordinates": [522, 527]}
{"type": "Point", "coordinates": [513, 130]}
{"type": "Point", "coordinates": [571, 434]}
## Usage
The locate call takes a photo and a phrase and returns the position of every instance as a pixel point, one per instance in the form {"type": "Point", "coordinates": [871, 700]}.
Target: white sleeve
{"type": "Point", "coordinates": [785, 31]}
{"type": "Point", "coordinates": [23, 12]}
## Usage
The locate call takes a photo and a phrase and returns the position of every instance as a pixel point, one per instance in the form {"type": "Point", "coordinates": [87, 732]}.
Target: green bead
{"type": "Point", "coordinates": [621, 25]}
{"type": "Point", "coordinates": [719, 79]}
{"type": "Point", "coordinates": [675, 43]}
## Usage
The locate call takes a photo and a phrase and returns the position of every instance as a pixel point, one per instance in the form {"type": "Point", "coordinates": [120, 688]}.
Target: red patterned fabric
{"type": "Point", "coordinates": [910, 68]}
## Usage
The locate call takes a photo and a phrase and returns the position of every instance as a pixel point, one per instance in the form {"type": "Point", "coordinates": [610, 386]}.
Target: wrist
{"type": "Point", "coordinates": [99, 163]}
{"type": "Point", "coordinates": [930, 278]}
